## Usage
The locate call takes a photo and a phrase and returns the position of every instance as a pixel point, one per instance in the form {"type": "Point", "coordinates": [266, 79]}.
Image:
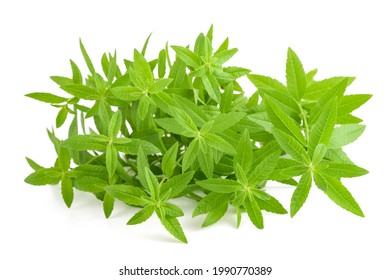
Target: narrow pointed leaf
{"type": "Point", "coordinates": [87, 58]}
{"type": "Point", "coordinates": [190, 155]}
{"type": "Point", "coordinates": [190, 58]}
{"type": "Point", "coordinates": [177, 184]}
{"type": "Point", "coordinates": [108, 204]}
{"type": "Point", "coordinates": [342, 170]}
{"type": "Point", "coordinates": [254, 213]}
{"type": "Point", "coordinates": [142, 69]}
{"type": "Point", "coordinates": [153, 185]}
{"type": "Point", "coordinates": [168, 162]}
{"type": "Point", "coordinates": [46, 97]}
{"type": "Point", "coordinates": [115, 124]}
{"type": "Point", "coordinates": [126, 193]}
{"type": "Point", "coordinates": [215, 215]}
{"type": "Point", "coordinates": [264, 169]}
{"type": "Point", "coordinates": [301, 193]}
{"type": "Point", "coordinates": [282, 121]}
{"type": "Point", "coordinates": [173, 226]}
{"type": "Point", "coordinates": [67, 190]}
{"type": "Point", "coordinates": [81, 91]}
{"type": "Point", "coordinates": [220, 185]}
{"type": "Point", "coordinates": [341, 196]}
{"type": "Point", "coordinates": [160, 85]}
{"type": "Point", "coordinates": [142, 215]}
{"type": "Point", "coordinates": [345, 134]}
{"type": "Point", "coordinates": [218, 143]}
{"type": "Point", "coordinates": [225, 121]}
{"type": "Point", "coordinates": [244, 153]}
{"type": "Point", "coordinates": [324, 126]}
{"type": "Point", "coordinates": [295, 74]}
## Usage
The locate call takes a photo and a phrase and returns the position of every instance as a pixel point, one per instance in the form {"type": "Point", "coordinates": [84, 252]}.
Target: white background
{"type": "Point", "coordinates": [41, 239]}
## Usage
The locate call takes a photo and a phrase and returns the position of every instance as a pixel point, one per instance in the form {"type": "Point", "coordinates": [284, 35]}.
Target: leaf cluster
{"type": "Point", "coordinates": [182, 127]}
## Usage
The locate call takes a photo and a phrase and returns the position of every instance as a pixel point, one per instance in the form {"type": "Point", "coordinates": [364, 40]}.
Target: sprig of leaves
{"type": "Point", "coordinates": [168, 128]}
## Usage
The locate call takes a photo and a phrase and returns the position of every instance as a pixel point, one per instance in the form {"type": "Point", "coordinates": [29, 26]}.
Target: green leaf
{"type": "Point", "coordinates": [142, 70]}
{"type": "Point", "coordinates": [244, 153]}
{"type": "Point", "coordinates": [115, 124]}
{"type": "Point", "coordinates": [341, 196]}
{"type": "Point", "coordinates": [206, 161]}
{"type": "Point", "coordinates": [295, 74]}
{"type": "Point", "coordinates": [61, 81]}
{"type": "Point", "coordinates": [162, 57]}
{"type": "Point", "coordinates": [220, 185]}
{"type": "Point", "coordinates": [61, 117]}
{"type": "Point", "coordinates": [263, 170]}
{"type": "Point", "coordinates": [215, 215]}
{"type": "Point", "coordinates": [227, 98]}
{"type": "Point", "coordinates": [171, 125]}
{"type": "Point", "coordinates": [89, 184]}
{"type": "Point", "coordinates": [64, 159]}
{"type": "Point", "coordinates": [111, 160]}
{"type": "Point", "coordinates": [337, 155]}
{"type": "Point", "coordinates": [91, 170]}
{"type": "Point", "coordinates": [172, 210]}
{"type": "Point", "coordinates": [224, 56]}
{"type": "Point", "coordinates": [77, 78]}
{"type": "Point", "coordinates": [86, 58]}
{"type": "Point", "coordinates": [189, 57]}
{"type": "Point", "coordinates": [345, 134]}
{"type": "Point", "coordinates": [142, 163]}
{"type": "Point", "coordinates": [81, 91]}
{"type": "Point", "coordinates": [349, 103]}
{"type": "Point", "coordinates": [290, 146]}
{"type": "Point", "coordinates": [211, 202]}
{"type": "Point", "coordinates": [323, 127]}
{"type": "Point", "coordinates": [47, 97]}
{"type": "Point", "coordinates": [126, 193]}
{"type": "Point", "coordinates": [282, 121]}
{"type": "Point", "coordinates": [112, 69]}
{"type": "Point", "coordinates": [176, 184]}
{"type": "Point", "coordinates": [33, 164]}
{"type": "Point", "coordinates": [301, 193]}
{"type": "Point", "coordinates": [317, 89]}
{"type": "Point", "coordinates": [184, 120]}
{"type": "Point", "coordinates": [152, 183]}
{"type": "Point", "coordinates": [264, 82]}
{"type": "Point", "coordinates": [239, 198]}
{"type": "Point", "coordinates": [335, 92]}
{"type": "Point", "coordinates": [190, 154]}
{"type": "Point", "coordinates": [342, 170]}
{"type": "Point", "coordinates": [319, 153]}
{"type": "Point", "coordinates": [108, 204]}
{"type": "Point", "coordinates": [224, 121]}
{"type": "Point", "coordinates": [254, 213]}
{"type": "Point", "coordinates": [212, 87]}
{"type": "Point", "coordinates": [127, 93]}
{"type": "Point", "coordinates": [241, 175]}
{"type": "Point", "coordinates": [173, 226]}
{"type": "Point", "coordinates": [85, 142]}
{"type": "Point", "coordinates": [270, 205]}
{"type": "Point", "coordinates": [39, 177]}
{"type": "Point", "coordinates": [67, 190]}
{"type": "Point", "coordinates": [287, 169]}
{"type": "Point", "coordinates": [143, 107]}
{"type": "Point", "coordinates": [168, 162]}
{"type": "Point", "coordinates": [132, 147]}
{"type": "Point", "coordinates": [142, 215]}
{"type": "Point", "coordinates": [160, 85]}
{"type": "Point", "coordinates": [218, 143]}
